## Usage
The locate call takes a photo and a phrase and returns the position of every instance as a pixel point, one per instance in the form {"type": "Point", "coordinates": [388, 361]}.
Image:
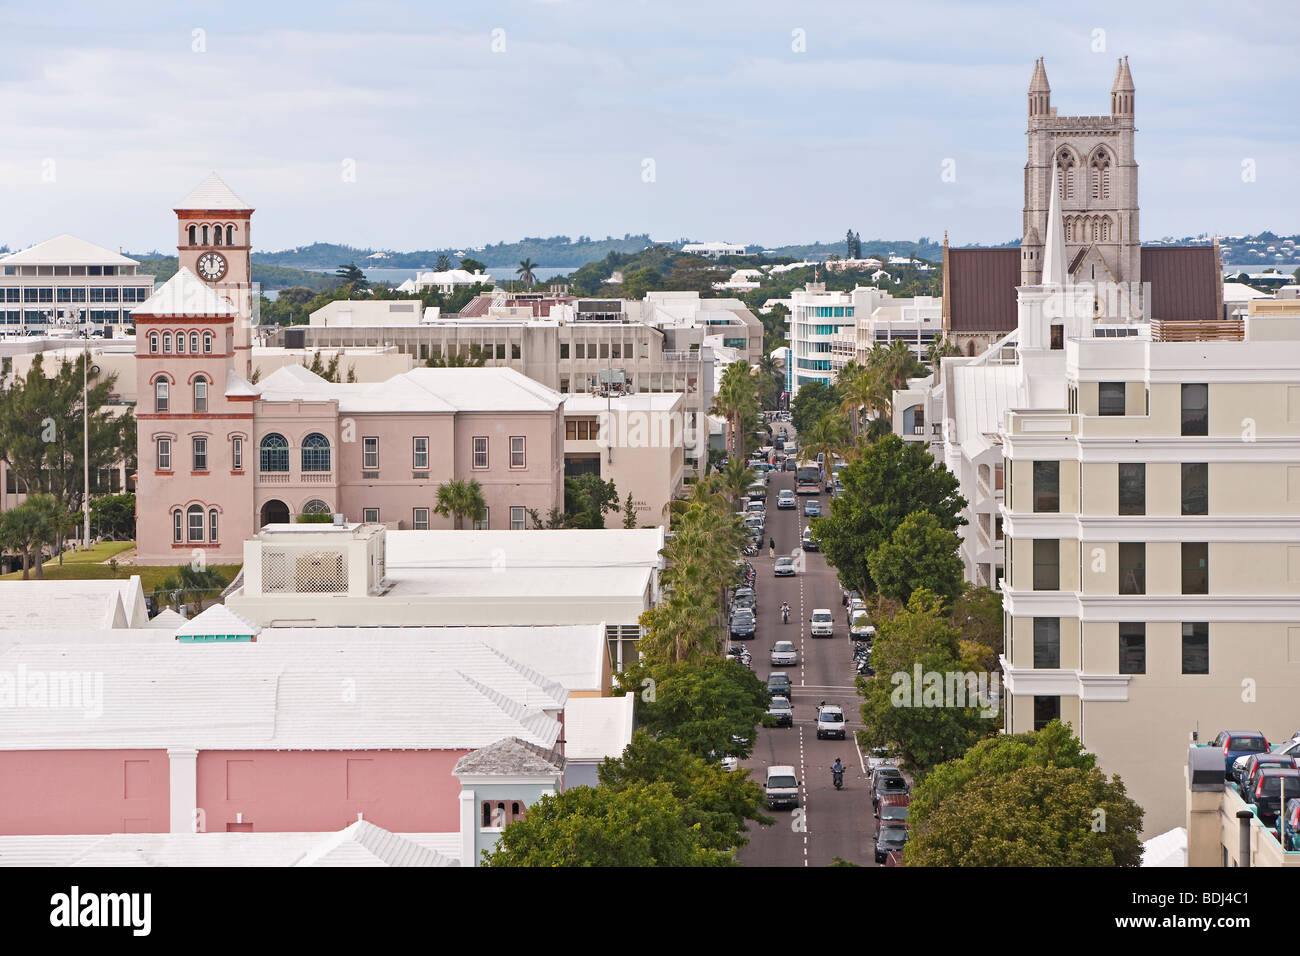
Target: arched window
{"type": "Point", "coordinates": [161, 395]}
{"type": "Point", "coordinates": [316, 507]}
{"type": "Point", "coordinates": [315, 453]}
{"type": "Point", "coordinates": [1066, 163]}
{"type": "Point", "coordinates": [194, 341]}
{"type": "Point", "coordinates": [1069, 228]}
{"type": "Point", "coordinates": [207, 342]}
{"type": "Point", "coordinates": [167, 341]}
{"type": "Point", "coordinates": [274, 453]}
{"type": "Point", "coordinates": [193, 235]}
{"type": "Point", "coordinates": [153, 342]}
{"type": "Point", "coordinates": [216, 236]}
{"type": "Point", "coordinates": [180, 341]}
{"type": "Point", "coordinates": [212, 525]}
{"type": "Point", "coordinates": [200, 394]}
{"type": "Point", "coordinates": [195, 520]}
{"type": "Point", "coordinates": [970, 348]}
{"type": "Point", "coordinates": [1100, 170]}
{"type": "Point", "coordinates": [177, 522]}
{"type": "Point", "coordinates": [205, 235]}
{"type": "Point", "coordinates": [230, 235]}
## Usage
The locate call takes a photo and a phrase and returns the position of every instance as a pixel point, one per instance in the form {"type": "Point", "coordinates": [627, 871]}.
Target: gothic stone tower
{"type": "Point", "coordinates": [1097, 185]}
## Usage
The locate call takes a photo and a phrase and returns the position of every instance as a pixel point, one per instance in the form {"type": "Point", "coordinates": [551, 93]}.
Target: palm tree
{"type": "Point", "coordinates": [736, 478]}
{"type": "Point", "coordinates": [737, 401]}
{"type": "Point", "coordinates": [937, 352]}
{"type": "Point", "coordinates": [829, 437]}
{"type": "Point", "coordinates": [20, 533]}
{"type": "Point", "coordinates": [460, 499]}
{"type": "Point", "coordinates": [525, 271]}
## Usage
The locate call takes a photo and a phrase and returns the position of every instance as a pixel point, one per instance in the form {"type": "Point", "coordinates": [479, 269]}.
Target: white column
{"type": "Point", "coordinates": [184, 789]}
{"type": "Point", "coordinates": [468, 829]}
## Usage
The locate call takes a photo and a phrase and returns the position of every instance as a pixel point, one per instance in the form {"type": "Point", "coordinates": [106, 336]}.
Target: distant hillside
{"type": "Point", "coordinates": [555, 252]}
{"type": "Point", "coordinates": [271, 277]}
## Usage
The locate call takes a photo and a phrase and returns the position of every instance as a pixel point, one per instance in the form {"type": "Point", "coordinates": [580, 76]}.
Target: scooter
{"type": "Point", "coordinates": [785, 615]}
{"type": "Point", "coordinates": [838, 777]}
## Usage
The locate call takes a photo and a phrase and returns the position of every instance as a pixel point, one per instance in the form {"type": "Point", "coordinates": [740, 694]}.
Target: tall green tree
{"type": "Point", "coordinates": [42, 431]}
{"type": "Point", "coordinates": [912, 716]}
{"type": "Point", "coordinates": [736, 400]}
{"type": "Point", "coordinates": [629, 513]}
{"type": "Point", "coordinates": [828, 437]}
{"type": "Point", "coordinates": [351, 275]}
{"type": "Point", "coordinates": [891, 480]}
{"type": "Point", "coordinates": [600, 826]}
{"type": "Point", "coordinates": [113, 517]}
{"type": "Point", "coordinates": [525, 272]}
{"type": "Point", "coordinates": [716, 804]}
{"type": "Point", "coordinates": [703, 705]}
{"type": "Point", "coordinates": [25, 530]}
{"type": "Point", "coordinates": [1033, 799]}
{"type": "Point", "coordinates": [459, 499]}
{"type": "Point", "coordinates": [587, 499]}
{"type": "Point", "coordinates": [919, 554]}
{"type": "Point", "coordinates": [813, 401]}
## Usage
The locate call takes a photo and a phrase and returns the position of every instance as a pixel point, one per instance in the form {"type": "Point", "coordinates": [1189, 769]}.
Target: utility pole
{"type": "Point", "coordinates": [85, 434]}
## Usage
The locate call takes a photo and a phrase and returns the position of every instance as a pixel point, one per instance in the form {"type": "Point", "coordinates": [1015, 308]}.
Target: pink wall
{"type": "Point", "coordinates": [405, 791]}
{"type": "Point", "coordinates": [84, 791]}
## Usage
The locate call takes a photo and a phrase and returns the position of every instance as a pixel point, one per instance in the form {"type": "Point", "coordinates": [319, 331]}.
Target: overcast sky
{"type": "Point", "coordinates": [489, 120]}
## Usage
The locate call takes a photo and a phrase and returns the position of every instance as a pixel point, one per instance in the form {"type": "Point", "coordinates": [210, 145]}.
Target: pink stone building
{"type": "Point", "coordinates": [219, 457]}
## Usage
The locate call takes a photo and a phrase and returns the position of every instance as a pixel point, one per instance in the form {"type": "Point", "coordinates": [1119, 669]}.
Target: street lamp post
{"type": "Point", "coordinates": [76, 314]}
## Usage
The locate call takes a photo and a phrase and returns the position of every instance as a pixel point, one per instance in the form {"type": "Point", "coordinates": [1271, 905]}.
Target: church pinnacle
{"type": "Point", "coordinates": [1054, 241]}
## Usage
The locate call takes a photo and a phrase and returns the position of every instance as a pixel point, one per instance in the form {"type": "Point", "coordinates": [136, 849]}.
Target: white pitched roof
{"type": "Point", "coordinates": [66, 250]}
{"type": "Point", "coordinates": [218, 619]}
{"type": "Point", "coordinates": [114, 603]}
{"type": "Point", "coordinates": [276, 695]}
{"type": "Point", "coordinates": [185, 294]}
{"type": "Point", "coordinates": [597, 727]}
{"type": "Point", "coordinates": [421, 389]}
{"type": "Point", "coordinates": [1166, 849]}
{"type": "Point", "coordinates": [166, 619]}
{"type": "Point", "coordinates": [236, 384]}
{"type": "Point", "coordinates": [212, 193]}
{"type": "Point", "coordinates": [982, 394]}
{"type": "Point", "coordinates": [361, 844]}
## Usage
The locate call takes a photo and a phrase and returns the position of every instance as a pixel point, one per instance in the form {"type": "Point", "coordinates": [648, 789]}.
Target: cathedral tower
{"type": "Point", "coordinates": [1096, 183]}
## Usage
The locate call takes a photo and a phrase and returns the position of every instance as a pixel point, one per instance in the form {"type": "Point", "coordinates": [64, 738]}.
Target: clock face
{"type": "Point", "coordinates": [211, 266]}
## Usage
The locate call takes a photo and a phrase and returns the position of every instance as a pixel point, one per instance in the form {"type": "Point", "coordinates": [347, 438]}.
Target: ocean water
{"type": "Point", "coordinates": [500, 273]}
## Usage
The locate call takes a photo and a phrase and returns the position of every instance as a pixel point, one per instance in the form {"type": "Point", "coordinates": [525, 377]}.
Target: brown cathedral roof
{"type": "Point", "coordinates": [980, 289]}
{"type": "Point", "coordinates": [980, 286]}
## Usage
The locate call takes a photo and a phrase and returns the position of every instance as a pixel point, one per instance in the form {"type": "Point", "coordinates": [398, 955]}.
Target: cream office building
{"type": "Point", "coordinates": [1153, 548]}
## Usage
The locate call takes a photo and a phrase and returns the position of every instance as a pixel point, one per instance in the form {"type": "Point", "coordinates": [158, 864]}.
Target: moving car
{"type": "Point", "coordinates": [784, 567]}
{"type": "Point", "coordinates": [890, 837]}
{"type": "Point", "coordinates": [742, 624]}
{"type": "Point", "coordinates": [785, 499]}
{"type": "Point", "coordinates": [809, 543]}
{"type": "Point", "coordinates": [830, 721]}
{"type": "Point", "coordinates": [784, 654]}
{"type": "Point", "coordinates": [781, 787]}
{"type": "Point", "coordinates": [822, 624]}
{"type": "Point", "coordinates": [812, 508]}
{"type": "Point", "coordinates": [1238, 742]}
{"type": "Point", "coordinates": [780, 708]}
{"type": "Point", "coordinates": [779, 684]}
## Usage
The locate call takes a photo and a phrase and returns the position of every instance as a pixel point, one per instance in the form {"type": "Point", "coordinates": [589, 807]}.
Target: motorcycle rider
{"type": "Point", "coordinates": [785, 612]}
{"type": "Point", "coordinates": [837, 769]}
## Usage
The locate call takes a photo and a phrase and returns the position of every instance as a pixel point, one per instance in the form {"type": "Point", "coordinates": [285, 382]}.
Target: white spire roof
{"type": "Point", "coordinates": [213, 193]}
{"type": "Point", "coordinates": [66, 250]}
{"type": "Point", "coordinates": [1054, 241]}
{"type": "Point", "coordinates": [186, 294]}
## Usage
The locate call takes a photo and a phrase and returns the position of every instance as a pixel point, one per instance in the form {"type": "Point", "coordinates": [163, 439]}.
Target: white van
{"type": "Point", "coordinates": [781, 787]}
{"type": "Point", "coordinates": [822, 623]}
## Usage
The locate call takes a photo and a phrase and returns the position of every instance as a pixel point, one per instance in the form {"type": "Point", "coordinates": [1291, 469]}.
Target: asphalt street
{"type": "Point", "coordinates": [828, 823]}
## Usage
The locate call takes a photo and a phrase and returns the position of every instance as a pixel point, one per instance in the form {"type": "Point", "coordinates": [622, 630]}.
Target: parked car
{"type": "Point", "coordinates": [1293, 823]}
{"type": "Point", "coordinates": [1289, 749]}
{"type": "Point", "coordinates": [781, 787]}
{"type": "Point", "coordinates": [784, 654]}
{"type": "Point", "coordinates": [784, 567]}
{"type": "Point", "coordinates": [889, 838]}
{"type": "Point", "coordinates": [756, 508]}
{"type": "Point", "coordinates": [779, 707]}
{"type": "Point", "coordinates": [855, 607]}
{"type": "Point", "coordinates": [887, 781]}
{"type": "Point", "coordinates": [822, 624]}
{"type": "Point", "coordinates": [894, 809]}
{"type": "Point", "coordinates": [1244, 767]}
{"type": "Point", "coordinates": [742, 624]}
{"type": "Point", "coordinates": [812, 508]}
{"type": "Point", "coordinates": [758, 490]}
{"type": "Point", "coordinates": [785, 499]}
{"type": "Point", "coordinates": [830, 721]}
{"type": "Point", "coordinates": [862, 630]}
{"type": "Point", "coordinates": [790, 463]}
{"type": "Point", "coordinates": [1251, 780]}
{"type": "Point", "coordinates": [730, 764]}
{"type": "Point", "coordinates": [1238, 742]}
{"type": "Point", "coordinates": [1267, 793]}
{"type": "Point", "coordinates": [880, 757]}
{"type": "Point", "coordinates": [808, 542]}
{"type": "Point", "coordinates": [744, 597]}
{"type": "Point", "coordinates": [779, 684]}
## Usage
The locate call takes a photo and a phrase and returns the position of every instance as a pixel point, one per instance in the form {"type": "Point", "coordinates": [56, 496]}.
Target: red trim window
{"type": "Point", "coordinates": [237, 454]}
{"type": "Point", "coordinates": [518, 456]}
{"type": "Point", "coordinates": [480, 461]}
{"type": "Point", "coordinates": [164, 454]}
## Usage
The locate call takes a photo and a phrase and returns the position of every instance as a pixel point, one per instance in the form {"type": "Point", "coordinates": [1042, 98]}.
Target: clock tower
{"type": "Point", "coordinates": [214, 242]}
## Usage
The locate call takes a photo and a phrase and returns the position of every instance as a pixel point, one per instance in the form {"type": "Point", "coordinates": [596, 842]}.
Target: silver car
{"type": "Point", "coordinates": [784, 654]}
